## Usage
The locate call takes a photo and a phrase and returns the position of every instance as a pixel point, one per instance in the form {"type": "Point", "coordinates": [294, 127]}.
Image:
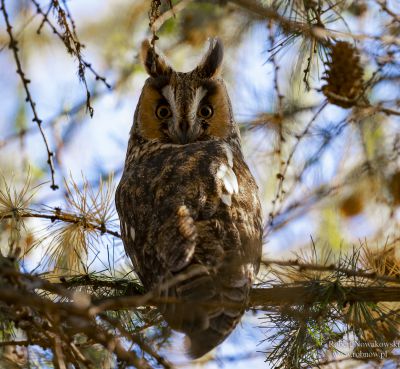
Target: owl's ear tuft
{"type": "Point", "coordinates": [154, 63]}
{"type": "Point", "coordinates": [210, 66]}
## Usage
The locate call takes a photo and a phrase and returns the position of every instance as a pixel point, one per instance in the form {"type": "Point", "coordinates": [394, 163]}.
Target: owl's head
{"type": "Point", "coordinates": [181, 108]}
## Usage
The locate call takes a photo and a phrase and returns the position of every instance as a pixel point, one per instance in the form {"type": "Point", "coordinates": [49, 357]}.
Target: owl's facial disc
{"type": "Point", "coordinates": [184, 107]}
{"type": "Point", "coordinates": [199, 111]}
{"type": "Point", "coordinates": [181, 110]}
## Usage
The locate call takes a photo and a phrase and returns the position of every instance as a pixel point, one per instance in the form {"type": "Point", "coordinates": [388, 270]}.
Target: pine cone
{"type": "Point", "coordinates": [343, 75]}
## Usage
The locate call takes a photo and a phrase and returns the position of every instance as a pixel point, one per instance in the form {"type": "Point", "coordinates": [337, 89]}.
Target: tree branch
{"type": "Point", "coordinates": [82, 315]}
{"type": "Point", "coordinates": [65, 217]}
{"type": "Point", "coordinates": [311, 294]}
{"type": "Point", "coordinates": [310, 31]}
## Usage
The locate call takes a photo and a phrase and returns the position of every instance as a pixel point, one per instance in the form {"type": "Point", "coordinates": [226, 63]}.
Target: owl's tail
{"type": "Point", "coordinates": [209, 308]}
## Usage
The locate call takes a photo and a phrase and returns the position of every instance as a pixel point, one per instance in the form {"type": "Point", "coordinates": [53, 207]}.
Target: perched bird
{"type": "Point", "coordinates": [187, 202]}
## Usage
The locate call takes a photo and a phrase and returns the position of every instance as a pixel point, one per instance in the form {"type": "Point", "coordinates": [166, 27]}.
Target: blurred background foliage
{"type": "Point", "coordinates": [315, 89]}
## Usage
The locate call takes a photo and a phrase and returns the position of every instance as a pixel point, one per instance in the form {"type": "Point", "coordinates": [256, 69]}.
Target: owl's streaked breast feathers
{"type": "Point", "coordinates": [187, 199]}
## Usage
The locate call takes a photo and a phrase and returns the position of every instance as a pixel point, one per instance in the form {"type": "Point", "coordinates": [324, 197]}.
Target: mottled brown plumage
{"type": "Point", "coordinates": [187, 201]}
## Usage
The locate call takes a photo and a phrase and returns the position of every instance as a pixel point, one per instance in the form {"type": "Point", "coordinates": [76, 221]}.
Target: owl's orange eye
{"type": "Point", "coordinates": [205, 111]}
{"type": "Point", "coordinates": [163, 112]}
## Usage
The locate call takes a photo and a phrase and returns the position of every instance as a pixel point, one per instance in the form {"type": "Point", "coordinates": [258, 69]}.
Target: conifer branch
{"type": "Point", "coordinates": [80, 313]}
{"type": "Point", "coordinates": [66, 217]}
{"type": "Point", "coordinates": [332, 268]}
{"type": "Point", "coordinates": [287, 295]}
{"type": "Point", "coordinates": [293, 27]}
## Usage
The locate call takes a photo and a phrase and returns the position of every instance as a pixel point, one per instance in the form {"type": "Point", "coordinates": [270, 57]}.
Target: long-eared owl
{"type": "Point", "coordinates": [187, 202]}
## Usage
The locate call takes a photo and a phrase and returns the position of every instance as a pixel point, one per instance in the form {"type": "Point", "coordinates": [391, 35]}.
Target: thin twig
{"type": "Point", "coordinates": [74, 48]}
{"type": "Point", "coordinates": [13, 45]}
{"type": "Point", "coordinates": [282, 175]}
{"type": "Point", "coordinates": [72, 111]}
{"type": "Point", "coordinates": [68, 218]}
{"type": "Point", "coordinates": [160, 20]}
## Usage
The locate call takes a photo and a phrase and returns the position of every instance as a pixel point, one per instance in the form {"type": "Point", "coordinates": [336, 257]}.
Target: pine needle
{"type": "Point", "coordinates": [70, 242]}
{"type": "Point", "coordinates": [14, 203]}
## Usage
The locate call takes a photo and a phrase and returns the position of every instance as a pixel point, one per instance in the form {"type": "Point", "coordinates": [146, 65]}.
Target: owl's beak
{"type": "Point", "coordinates": [183, 132]}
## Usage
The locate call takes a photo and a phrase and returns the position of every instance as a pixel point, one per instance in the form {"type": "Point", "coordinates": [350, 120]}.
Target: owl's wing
{"type": "Point", "coordinates": [182, 207]}
{"type": "Point", "coordinates": [236, 229]}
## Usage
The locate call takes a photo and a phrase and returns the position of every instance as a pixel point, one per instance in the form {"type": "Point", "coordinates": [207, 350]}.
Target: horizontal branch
{"type": "Point", "coordinates": [65, 217]}
{"type": "Point", "coordinates": [262, 298]}
{"type": "Point", "coordinates": [306, 295]}
{"type": "Point", "coordinates": [312, 31]}
{"type": "Point", "coordinates": [268, 12]}
{"type": "Point", "coordinates": [78, 317]}
{"type": "Point", "coordinates": [259, 297]}
{"type": "Point", "coordinates": [370, 109]}
{"type": "Point", "coordinates": [309, 292]}
{"type": "Point", "coordinates": [81, 313]}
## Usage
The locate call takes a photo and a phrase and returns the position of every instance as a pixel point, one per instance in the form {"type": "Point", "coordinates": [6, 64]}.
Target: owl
{"type": "Point", "coordinates": [187, 202]}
